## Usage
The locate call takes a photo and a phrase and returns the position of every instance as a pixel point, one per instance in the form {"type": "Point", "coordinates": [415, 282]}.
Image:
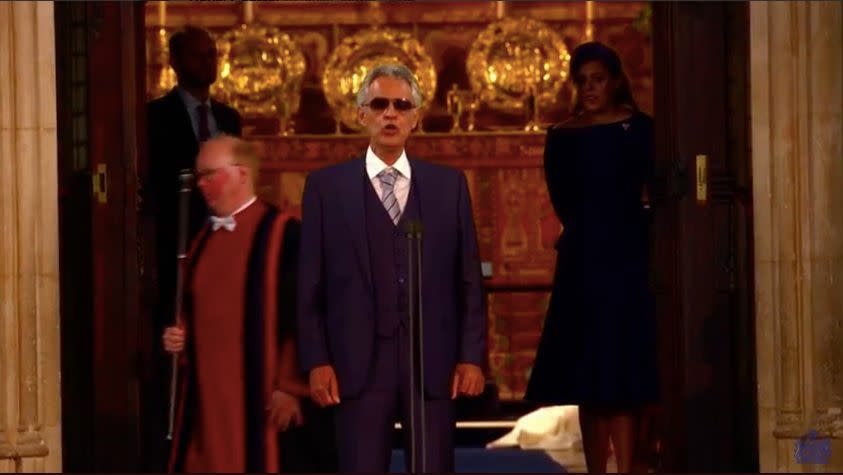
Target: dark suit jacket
{"type": "Point", "coordinates": [336, 317]}
{"type": "Point", "coordinates": [173, 146]}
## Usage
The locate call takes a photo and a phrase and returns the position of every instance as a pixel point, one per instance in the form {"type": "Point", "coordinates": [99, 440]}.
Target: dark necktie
{"type": "Point", "coordinates": [204, 131]}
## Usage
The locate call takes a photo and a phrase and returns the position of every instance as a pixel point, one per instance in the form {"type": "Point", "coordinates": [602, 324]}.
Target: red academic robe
{"type": "Point", "coordinates": [263, 369]}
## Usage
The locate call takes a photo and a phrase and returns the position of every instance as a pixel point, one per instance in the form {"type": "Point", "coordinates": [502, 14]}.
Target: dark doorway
{"type": "Point", "coordinates": [703, 258]}
{"type": "Point", "coordinates": [98, 88]}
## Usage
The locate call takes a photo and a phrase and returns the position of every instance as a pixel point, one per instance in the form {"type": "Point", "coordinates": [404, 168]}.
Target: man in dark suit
{"type": "Point", "coordinates": [176, 123]}
{"type": "Point", "coordinates": [353, 297]}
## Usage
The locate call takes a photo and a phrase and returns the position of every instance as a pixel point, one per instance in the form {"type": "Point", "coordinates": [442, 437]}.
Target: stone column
{"type": "Point", "coordinates": [797, 142]}
{"type": "Point", "coordinates": [30, 423]}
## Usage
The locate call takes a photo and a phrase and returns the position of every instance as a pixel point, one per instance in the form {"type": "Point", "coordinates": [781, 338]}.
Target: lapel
{"type": "Point", "coordinates": [423, 185]}
{"type": "Point", "coordinates": [353, 201]}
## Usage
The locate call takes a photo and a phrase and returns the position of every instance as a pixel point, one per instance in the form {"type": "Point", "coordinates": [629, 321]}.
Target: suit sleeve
{"type": "Point", "coordinates": [310, 314]}
{"type": "Point", "coordinates": [288, 270]}
{"type": "Point", "coordinates": [473, 311]}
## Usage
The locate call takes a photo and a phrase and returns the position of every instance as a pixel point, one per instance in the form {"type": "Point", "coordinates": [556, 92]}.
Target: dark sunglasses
{"type": "Point", "coordinates": [380, 104]}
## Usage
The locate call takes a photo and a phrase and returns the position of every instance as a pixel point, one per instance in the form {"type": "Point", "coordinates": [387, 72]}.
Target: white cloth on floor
{"type": "Point", "coordinates": [548, 428]}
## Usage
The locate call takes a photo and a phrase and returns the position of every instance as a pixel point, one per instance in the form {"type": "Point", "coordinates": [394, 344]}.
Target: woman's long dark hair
{"type": "Point", "coordinates": [596, 51]}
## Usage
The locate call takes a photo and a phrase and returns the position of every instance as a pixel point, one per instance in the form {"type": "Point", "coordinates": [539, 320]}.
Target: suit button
{"type": "Point", "coordinates": [400, 280]}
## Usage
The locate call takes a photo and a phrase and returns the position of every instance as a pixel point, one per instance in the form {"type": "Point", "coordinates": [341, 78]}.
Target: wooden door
{"type": "Point", "coordinates": [99, 87]}
{"type": "Point", "coordinates": [702, 237]}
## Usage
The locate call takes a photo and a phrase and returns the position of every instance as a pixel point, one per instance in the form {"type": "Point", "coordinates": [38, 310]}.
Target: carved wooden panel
{"type": "Point", "coordinates": [515, 323]}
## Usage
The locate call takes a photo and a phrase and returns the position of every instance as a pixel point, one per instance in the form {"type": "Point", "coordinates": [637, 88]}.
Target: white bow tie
{"type": "Point", "coordinates": [227, 222]}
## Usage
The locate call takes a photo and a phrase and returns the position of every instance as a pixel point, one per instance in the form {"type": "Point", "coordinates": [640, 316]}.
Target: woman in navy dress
{"type": "Point", "coordinates": [598, 347]}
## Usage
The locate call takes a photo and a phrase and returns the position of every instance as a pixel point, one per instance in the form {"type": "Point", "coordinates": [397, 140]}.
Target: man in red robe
{"type": "Point", "coordinates": [239, 386]}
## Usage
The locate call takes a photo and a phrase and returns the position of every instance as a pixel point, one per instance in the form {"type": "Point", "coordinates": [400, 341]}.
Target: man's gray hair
{"type": "Point", "coordinates": [392, 70]}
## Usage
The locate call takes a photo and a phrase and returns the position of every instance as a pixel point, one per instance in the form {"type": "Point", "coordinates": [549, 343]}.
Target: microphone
{"type": "Point", "coordinates": [414, 230]}
{"type": "Point", "coordinates": [186, 179]}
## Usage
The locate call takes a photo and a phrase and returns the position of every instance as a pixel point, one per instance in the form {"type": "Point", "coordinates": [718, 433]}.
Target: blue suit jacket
{"type": "Point", "coordinates": [336, 318]}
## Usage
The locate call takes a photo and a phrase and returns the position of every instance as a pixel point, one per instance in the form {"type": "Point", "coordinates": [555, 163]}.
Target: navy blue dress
{"type": "Point", "coordinates": [598, 344]}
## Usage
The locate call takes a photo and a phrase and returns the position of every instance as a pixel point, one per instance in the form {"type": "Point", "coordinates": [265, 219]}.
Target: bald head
{"type": "Point", "coordinates": [226, 172]}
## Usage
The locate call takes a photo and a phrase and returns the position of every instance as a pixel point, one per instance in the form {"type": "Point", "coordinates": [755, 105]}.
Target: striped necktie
{"type": "Point", "coordinates": [390, 203]}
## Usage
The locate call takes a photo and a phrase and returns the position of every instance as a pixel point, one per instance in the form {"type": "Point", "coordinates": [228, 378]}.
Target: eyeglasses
{"type": "Point", "coordinates": [380, 104]}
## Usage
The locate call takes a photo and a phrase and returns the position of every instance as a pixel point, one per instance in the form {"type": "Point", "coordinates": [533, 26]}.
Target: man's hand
{"type": "Point", "coordinates": [284, 410]}
{"type": "Point", "coordinates": [173, 339]}
{"type": "Point", "coordinates": [323, 386]}
{"type": "Point", "coordinates": [467, 381]}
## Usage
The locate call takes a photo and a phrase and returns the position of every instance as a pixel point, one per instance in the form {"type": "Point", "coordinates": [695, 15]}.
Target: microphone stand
{"type": "Point", "coordinates": [414, 284]}
{"type": "Point", "coordinates": [185, 179]}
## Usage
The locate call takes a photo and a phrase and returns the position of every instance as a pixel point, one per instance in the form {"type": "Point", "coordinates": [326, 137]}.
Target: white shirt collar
{"type": "Point", "coordinates": [375, 165]}
{"type": "Point", "coordinates": [191, 102]}
{"type": "Point", "coordinates": [245, 205]}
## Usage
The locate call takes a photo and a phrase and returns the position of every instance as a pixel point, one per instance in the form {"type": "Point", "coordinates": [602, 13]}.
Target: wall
{"type": "Point", "coordinates": [797, 141]}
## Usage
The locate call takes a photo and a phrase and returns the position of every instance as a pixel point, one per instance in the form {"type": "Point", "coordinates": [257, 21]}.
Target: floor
{"type": "Point", "coordinates": [481, 460]}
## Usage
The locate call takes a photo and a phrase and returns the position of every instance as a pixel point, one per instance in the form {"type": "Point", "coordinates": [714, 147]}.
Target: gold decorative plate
{"type": "Point", "coordinates": [165, 80]}
{"type": "Point", "coordinates": [512, 55]}
{"type": "Point", "coordinates": [358, 54]}
{"type": "Point", "coordinates": [261, 71]}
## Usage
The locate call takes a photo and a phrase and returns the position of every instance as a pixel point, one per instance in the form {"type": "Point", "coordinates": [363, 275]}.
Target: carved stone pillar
{"type": "Point", "coordinates": [797, 143]}
{"type": "Point", "coordinates": [30, 405]}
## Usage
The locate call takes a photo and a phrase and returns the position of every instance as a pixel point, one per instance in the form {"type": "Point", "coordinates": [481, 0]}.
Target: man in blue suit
{"type": "Point", "coordinates": [353, 298]}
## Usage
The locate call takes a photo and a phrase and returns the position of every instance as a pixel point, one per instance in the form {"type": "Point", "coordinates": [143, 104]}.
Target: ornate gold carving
{"type": "Point", "coordinates": [358, 54]}
{"type": "Point", "coordinates": [261, 71]}
{"type": "Point", "coordinates": [511, 56]}
{"type": "Point", "coordinates": [532, 110]}
{"type": "Point", "coordinates": [455, 108]}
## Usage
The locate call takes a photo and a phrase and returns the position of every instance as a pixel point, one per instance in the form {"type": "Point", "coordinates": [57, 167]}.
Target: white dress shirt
{"type": "Point", "coordinates": [401, 189]}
